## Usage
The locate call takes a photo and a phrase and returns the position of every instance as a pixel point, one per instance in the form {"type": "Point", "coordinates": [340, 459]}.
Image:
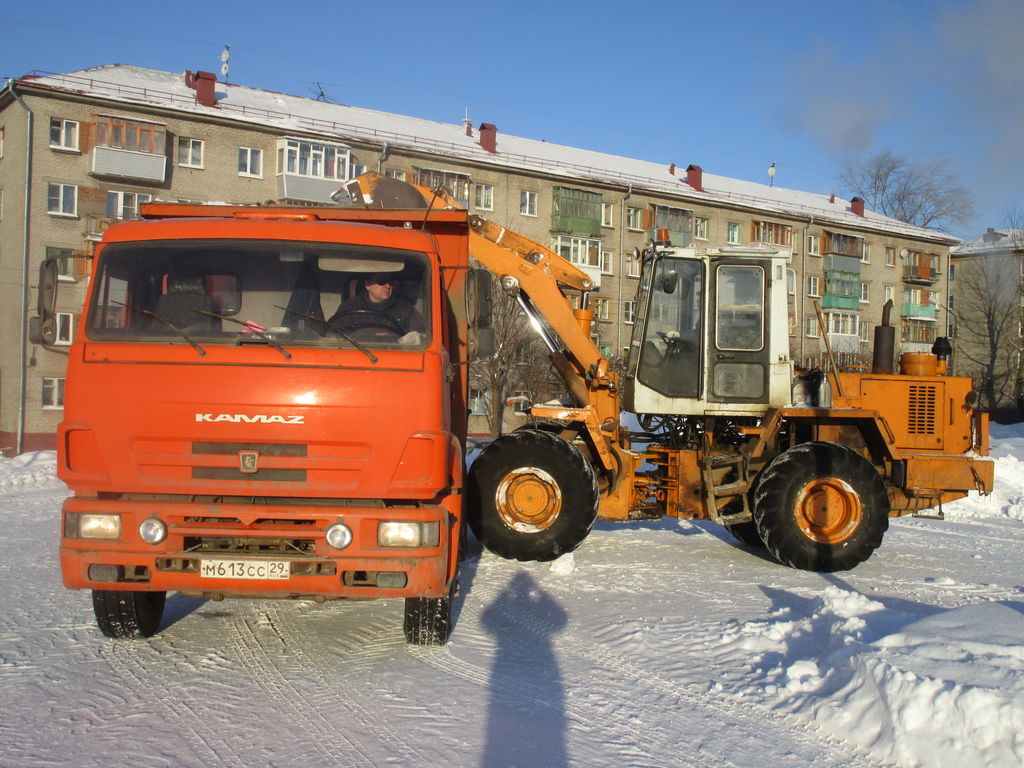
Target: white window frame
{"type": "Point", "coordinates": [479, 401]}
{"type": "Point", "coordinates": [483, 197]}
{"type": "Point", "coordinates": [528, 202]}
{"type": "Point", "coordinates": [65, 262]}
{"type": "Point", "coordinates": [732, 232]}
{"type": "Point", "coordinates": [323, 160]}
{"type": "Point", "coordinates": [633, 264]}
{"type": "Point", "coordinates": [392, 173]}
{"type": "Point", "coordinates": [52, 395]}
{"type": "Point", "coordinates": [813, 330]}
{"type": "Point", "coordinates": [607, 263]}
{"type": "Point", "coordinates": [865, 293]}
{"type": "Point", "coordinates": [68, 133]}
{"type": "Point", "coordinates": [843, 324]}
{"type": "Point", "coordinates": [635, 219]}
{"type": "Point", "coordinates": [125, 205]}
{"type": "Point", "coordinates": [187, 151]}
{"type": "Point", "coordinates": [602, 308]}
{"type": "Point", "coordinates": [890, 257]}
{"type": "Point", "coordinates": [814, 245]}
{"type": "Point", "coordinates": [66, 199]}
{"type": "Point", "coordinates": [701, 227]}
{"type": "Point", "coordinates": [247, 158]}
{"type": "Point", "coordinates": [814, 286]}
{"type": "Point", "coordinates": [65, 329]}
{"type": "Point", "coordinates": [865, 253]}
{"type": "Point", "coordinates": [607, 214]}
{"type": "Point", "coordinates": [888, 293]}
{"type": "Point", "coordinates": [629, 312]}
{"type": "Point", "coordinates": [578, 250]}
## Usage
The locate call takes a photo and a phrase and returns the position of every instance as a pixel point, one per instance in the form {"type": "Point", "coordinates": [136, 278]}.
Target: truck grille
{"type": "Point", "coordinates": [921, 407]}
{"type": "Point", "coordinates": [235, 473]}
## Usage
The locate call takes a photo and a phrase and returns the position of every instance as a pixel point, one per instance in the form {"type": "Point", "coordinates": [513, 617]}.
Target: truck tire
{"type": "Point", "coordinates": [821, 507]}
{"type": "Point", "coordinates": [124, 614]}
{"type": "Point", "coordinates": [531, 495]}
{"type": "Point", "coordinates": [428, 620]}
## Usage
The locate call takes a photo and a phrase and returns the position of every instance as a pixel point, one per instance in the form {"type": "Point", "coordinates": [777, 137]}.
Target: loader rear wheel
{"type": "Point", "coordinates": [531, 495]}
{"type": "Point", "coordinates": [821, 507]}
{"type": "Point", "coordinates": [124, 614]}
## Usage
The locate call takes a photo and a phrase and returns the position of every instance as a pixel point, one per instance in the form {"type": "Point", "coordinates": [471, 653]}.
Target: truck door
{"type": "Point", "coordinates": [739, 349]}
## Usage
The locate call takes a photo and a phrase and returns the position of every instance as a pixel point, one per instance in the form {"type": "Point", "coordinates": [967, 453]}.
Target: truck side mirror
{"type": "Point", "coordinates": [484, 348]}
{"type": "Point", "coordinates": [478, 298]}
{"type": "Point", "coordinates": [43, 328]}
{"type": "Point", "coordinates": [669, 281]}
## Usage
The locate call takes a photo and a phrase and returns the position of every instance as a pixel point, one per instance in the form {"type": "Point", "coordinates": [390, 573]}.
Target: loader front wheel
{"type": "Point", "coordinates": [821, 507]}
{"type": "Point", "coordinates": [531, 495]}
{"type": "Point", "coordinates": [125, 614]}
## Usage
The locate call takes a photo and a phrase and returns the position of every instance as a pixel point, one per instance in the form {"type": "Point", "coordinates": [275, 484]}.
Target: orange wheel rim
{"type": "Point", "coordinates": [528, 500]}
{"type": "Point", "coordinates": [828, 510]}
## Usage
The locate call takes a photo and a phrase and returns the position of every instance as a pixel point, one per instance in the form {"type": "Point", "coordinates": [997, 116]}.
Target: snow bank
{"type": "Point", "coordinates": [946, 690]}
{"type": "Point", "coordinates": [38, 468]}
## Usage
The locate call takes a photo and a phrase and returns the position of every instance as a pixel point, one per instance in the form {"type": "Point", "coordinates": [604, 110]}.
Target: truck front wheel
{"type": "Point", "coordinates": [124, 614]}
{"type": "Point", "coordinates": [428, 620]}
{"type": "Point", "coordinates": [531, 495]}
{"type": "Point", "coordinates": [821, 507]}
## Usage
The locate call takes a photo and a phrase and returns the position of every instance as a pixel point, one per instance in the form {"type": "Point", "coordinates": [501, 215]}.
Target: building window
{"type": "Point", "coordinates": [125, 205]}
{"type": "Point", "coordinates": [65, 261]}
{"type": "Point", "coordinates": [843, 323]}
{"type": "Point", "coordinates": [190, 152]}
{"type": "Point", "coordinates": [484, 197]}
{"type": "Point", "coordinates": [890, 257]}
{"type": "Point", "coordinates": [887, 293]}
{"type": "Point", "coordinates": [812, 327]}
{"type": "Point", "coordinates": [601, 309]}
{"type": "Point", "coordinates": [952, 272]}
{"type": "Point", "coordinates": [63, 134]}
{"type": "Point", "coordinates": [479, 402]}
{"type": "Point", "coordinates": [607, 262]}
{"type": "Point", "coordinates": [633, 264]}
{"type": "Point", "coordinates": [62, 199]}
{"type": "Point", "coordinates": [701, 226]}
{"type": "Point", "coordinates": [865, 253]}
{"type": "Point", "coordinates": [391, 173]}
{"type": "Point", "coordinates": [865, 293]}
{"type": "Point", "coordinates": [133, 135]}
{"type": "Point", "coordinates": [865, 329]}
{"type": "Point", "coordinates": [250, 162]}
{"type": "Point", "coordinates": [527, 202]}
{"type": "Point", "coordinates": [674, 219]}
{"type": "Point", "coordinates": [813, 286]}
{"type": "Point", "coordinates": [635, 219]}
{"type": "Point", "coordinates": [65, 329]}
{"type": "Point", "coordinates": [53, 393]}
{"type": "Point", "coordinates": [771, 233]}
{"type": "Point", "coordinates": [582, 251]}
{"type": "Point", "coordinates": [607, 215]}
{"type": "Point", "coordinates": [791, 282]}
{"type": "Point", "coordinates": [838, 244]}
{"type": "Point", "coordinates": [629, 312]}
{"type": "Point", "coordinates": [732, 234]}
{"type": "Point", "coordinates": [457, 184]}
{"type": "Point", "coordinates": [814, 245]}
{"type": "Point", "coordinates": [312, 159]}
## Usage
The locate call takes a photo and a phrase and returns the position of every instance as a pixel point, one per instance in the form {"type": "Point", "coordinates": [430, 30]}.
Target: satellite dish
{"type": "Point", "coordinates": [224, 69]}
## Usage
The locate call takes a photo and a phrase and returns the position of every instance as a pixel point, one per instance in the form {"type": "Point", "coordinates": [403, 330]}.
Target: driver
{"type": "Point", "coordinates": [377, 298]}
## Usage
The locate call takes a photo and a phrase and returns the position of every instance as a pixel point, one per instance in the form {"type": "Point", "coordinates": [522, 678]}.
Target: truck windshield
{"type": "Point", "coordinates": [285, 293]}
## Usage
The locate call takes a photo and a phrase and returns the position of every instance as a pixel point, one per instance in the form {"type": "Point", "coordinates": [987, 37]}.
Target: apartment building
{"type": "Point", "coordinates": [80, 150]}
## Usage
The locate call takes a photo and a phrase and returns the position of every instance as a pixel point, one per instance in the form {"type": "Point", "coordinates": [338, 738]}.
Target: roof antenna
{"type": "Point", "coordinates": [319, 91]}
{"type": "Point", "coordinates": [224, 68]}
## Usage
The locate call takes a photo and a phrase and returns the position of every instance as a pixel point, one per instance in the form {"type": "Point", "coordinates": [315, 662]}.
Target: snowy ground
{"type": "Point", "coordinates": [653, 645]}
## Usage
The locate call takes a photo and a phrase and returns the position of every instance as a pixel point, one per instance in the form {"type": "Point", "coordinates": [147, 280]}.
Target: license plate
{"type": "Point", "coordinates": [245, 569]}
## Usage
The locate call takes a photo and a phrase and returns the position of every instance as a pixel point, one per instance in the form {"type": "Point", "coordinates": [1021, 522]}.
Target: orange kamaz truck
{"type": "Point", "coordinates": [229, 432]}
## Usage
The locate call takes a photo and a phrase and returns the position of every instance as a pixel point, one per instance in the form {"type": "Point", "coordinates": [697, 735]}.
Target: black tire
{"type": "Point", "coordinates": [531, 496]}
{"type": "Point", "coordinates": [821, 507]}
{"type": "Point", "coordinates": [124, 614]}
{"type": "Point", "coordinates": [428, 620]}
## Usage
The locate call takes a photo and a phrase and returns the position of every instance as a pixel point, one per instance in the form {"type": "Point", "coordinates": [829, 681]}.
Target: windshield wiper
{"type": "Point", "coordinates": [173, 326]}
{"type": "Point", "coordinates": [252, 329]}
{"type": "Point", "coordinates": [333, 327]}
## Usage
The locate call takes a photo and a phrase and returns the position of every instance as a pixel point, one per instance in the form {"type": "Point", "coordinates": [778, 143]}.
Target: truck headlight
{"type": "Point", "coordinates": [99, 526]}
{"type": "Point", "coordinates": [339, 536]}
{"type": "Point", "coordinates": [396, 534]}
{"type": "Point", "coordinates": [152, 531]}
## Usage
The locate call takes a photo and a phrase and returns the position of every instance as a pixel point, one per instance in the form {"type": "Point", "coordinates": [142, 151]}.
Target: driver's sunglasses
{"type": "Point", "coordinates": [381, 281]}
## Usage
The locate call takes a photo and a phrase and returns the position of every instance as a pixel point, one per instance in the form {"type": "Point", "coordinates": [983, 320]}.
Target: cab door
{"type": "Point", "coordinates": [739, 356]}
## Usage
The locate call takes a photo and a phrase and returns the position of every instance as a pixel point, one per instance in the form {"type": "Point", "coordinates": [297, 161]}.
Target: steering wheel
{"type": "Point", "coordinates": [368, 319]}
{"type": "Point", "coordinates": [675, 345]}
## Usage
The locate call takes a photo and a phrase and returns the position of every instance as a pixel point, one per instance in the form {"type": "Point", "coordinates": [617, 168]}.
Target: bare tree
{"type": "Point", "coordinates": [918, 193]}
{"type": "Point", "coordinates": [988, 321]}
{"type": "Point", "coordinates": [520, 362]}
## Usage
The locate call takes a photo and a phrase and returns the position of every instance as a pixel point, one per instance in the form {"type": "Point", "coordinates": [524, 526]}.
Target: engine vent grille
{"type": "Point", "coordinates": [921, 405]}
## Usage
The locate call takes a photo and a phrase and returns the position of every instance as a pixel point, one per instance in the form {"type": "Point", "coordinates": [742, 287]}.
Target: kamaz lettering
{"type": "Point", "coordinates": [241, 418]}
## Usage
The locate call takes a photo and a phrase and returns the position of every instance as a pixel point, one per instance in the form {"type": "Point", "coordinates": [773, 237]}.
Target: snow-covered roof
{"type": "Point", "coordinates": [993, 241]}
{"type": "Point", "coordinates": [132, 84]}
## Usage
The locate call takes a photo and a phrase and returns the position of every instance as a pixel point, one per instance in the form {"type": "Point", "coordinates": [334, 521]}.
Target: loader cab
{"type": "Point", "coordinates": [711, 333]}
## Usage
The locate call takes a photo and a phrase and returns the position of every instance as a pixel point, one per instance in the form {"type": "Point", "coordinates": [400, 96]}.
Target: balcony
{"type": "Point", "coordinates": [839, 301]}
{"type": "Point", "coordinates": [924, 274]}
{"type": "Point", "coordinates": [307, 189]}
{"type": "Point", "coordinates": [678, 239]}
{"type": "Point", "coordinates": [127, 164]}
{"type": "Point", "coordinates": [919, 311]}
{"type": "Point", "coordinates": [838, 263]}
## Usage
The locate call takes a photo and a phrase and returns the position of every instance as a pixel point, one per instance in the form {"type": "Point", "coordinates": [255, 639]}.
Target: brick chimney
{"type": "Point", "coordinates": [857, 206]}
{"type": "Point", "coordinates": [672, 168]}
{"type": "Point", "coordinates": [489, 137]}
{"type": "Point", "coordinates": [695, 177]}
{"type": "Point", "coordinates": [204, 84]}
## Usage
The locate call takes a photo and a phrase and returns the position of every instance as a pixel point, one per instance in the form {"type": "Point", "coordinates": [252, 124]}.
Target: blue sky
{"type": "Point", "coordinates": [732, 85]}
